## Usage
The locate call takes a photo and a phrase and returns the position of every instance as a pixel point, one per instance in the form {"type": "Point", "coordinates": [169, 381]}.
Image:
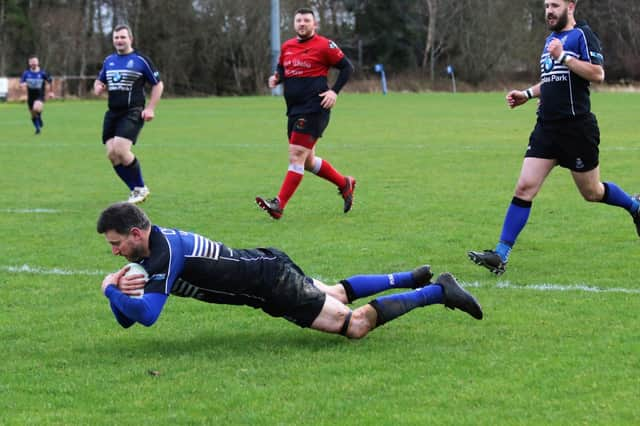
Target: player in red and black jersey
{"type": "Point", "coordinates": [303, 68]}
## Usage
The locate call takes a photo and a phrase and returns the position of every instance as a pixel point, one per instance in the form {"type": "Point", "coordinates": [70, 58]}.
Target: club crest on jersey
{"type": "Point", "coordinates": [332, 45]}
{"type": "Point", "coordinates": [117, 77]}
{"type": "Point", "coordinates": [130, 63]}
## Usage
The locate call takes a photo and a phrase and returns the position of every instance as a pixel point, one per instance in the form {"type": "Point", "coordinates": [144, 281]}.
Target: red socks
{"type": "Point", "coordinates": [326, 171]}
{"type": "Point", "coordinates": [289, 186]}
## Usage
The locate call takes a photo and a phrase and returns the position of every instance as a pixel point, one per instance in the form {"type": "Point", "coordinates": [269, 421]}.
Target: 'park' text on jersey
{"type": "Point", "coordinates": [564, 94]}
{"type": "Point", "coordinates": [305, 65]}
{"type": "Point", "coordinates": [35, 81]}
{"type": "Point", "coordinates": [125, 77]}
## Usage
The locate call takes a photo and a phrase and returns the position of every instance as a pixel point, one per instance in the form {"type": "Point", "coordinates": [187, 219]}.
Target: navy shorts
{"type": "Point", "coordinates": [32, 98]}
{"type": "Point", "coordinates": [573, 142]}
{"type": "Point", "coordinates": [293, 295]}
{"type": "Point", "coordinates": [312, 124]}
{"type": "Point", "coordinates": [125, 124]}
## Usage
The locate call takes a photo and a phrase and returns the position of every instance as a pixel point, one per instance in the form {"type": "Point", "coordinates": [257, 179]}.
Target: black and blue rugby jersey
{"type": "Point", "coordinates": [564, 94]}
{"type": "Point", "coordinates": [35, 81]}
{"type": "Point", "coordinates": [125, 77]}
{"type": "Point", "coordinates": [189, 265]}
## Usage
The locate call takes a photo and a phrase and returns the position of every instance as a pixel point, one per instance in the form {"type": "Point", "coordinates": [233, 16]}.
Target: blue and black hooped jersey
{"type": "Point", "coordinates": [35, 81]}
{"type": "Point", "coordinates": [125, 77]}
{"type": "Point", "coordinates": [186, 264]}
{"type": "Point", "coordinates": [564, 94]}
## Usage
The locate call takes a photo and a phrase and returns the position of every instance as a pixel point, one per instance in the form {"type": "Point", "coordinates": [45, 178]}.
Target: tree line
{"type": "Point", "coordinates": [222, 47]}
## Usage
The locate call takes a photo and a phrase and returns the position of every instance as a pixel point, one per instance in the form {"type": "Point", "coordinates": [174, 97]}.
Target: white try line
{"type": "Point", "coordinates": [26, 269]}
{"type": "Point", "coordinates": [29, 211]}
{"type": "Point", "coordinates": [583, 288]}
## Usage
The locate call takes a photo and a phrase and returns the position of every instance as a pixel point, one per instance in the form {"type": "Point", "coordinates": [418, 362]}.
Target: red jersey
{"type": "Point", "coordinates": [303, 68]}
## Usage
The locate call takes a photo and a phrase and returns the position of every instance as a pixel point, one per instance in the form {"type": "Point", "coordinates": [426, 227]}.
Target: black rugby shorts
{"type": "Point", "coordinates": [293, 295]}
{"type": "Point", "coordinates": [313, 124]}
{"type": "Point", "coordinates": [573, 142]}
{"type": "Point", "coordinates": [125, 124]}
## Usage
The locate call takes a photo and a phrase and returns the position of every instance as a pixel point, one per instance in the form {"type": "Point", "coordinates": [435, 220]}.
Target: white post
{"type": "Point", "coordinates": [275, 42]}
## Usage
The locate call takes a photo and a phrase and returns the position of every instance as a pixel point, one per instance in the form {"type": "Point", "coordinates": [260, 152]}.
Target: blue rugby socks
{"type": "Point", "coordinates": [135, 173]}
{"type": "Point", "coordinates": [365, 285]}
{"type": "Point", "coordinates": [131, 174]}
{"type": "Point", "coordinates": [514, 222]}
{"type": "Point", "coordinates": [615, 196]}
{"type": "Point", "coordinates": [392, 306]}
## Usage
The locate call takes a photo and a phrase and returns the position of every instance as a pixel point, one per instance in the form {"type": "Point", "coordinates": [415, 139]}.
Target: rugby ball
{"type": "Point", "coordinates": [135, 269]}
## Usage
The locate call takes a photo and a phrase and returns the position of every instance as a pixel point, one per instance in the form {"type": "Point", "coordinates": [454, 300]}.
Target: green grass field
{"type": "Point", "coordinates": [559, 344]}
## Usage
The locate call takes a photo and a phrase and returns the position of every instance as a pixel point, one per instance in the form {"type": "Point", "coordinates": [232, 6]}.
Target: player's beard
{"type": "Point", "coordinates": [307, 35]}
{"type": "Point", "coordinates": [137, 253]}
{"type": "Point", "coordinates": [561, 22]}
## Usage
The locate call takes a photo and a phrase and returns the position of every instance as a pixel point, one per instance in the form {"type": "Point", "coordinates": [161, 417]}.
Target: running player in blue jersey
{"type": "Point", "coordinates": [35, 80]}
{"type": "Point", "coordinates": [185, 264]}
{"type": "Point", "coordinates": [303, 68]}
{"type": "Point", "coordinates": [124, 74]}
{"type": "Point", "coordinates": [566, 132]}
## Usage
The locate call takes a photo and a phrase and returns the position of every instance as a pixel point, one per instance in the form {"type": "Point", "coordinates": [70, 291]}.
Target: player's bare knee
{"type": "Point", "coordinates": [114, 156]}
{"type": "Point", "coordinates": [359, 325]}
{"type": "Point", "coordinates": [592, 196]}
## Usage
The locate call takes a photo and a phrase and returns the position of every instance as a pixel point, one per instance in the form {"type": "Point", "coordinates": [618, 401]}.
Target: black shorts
{"type": "Point", "coordinates": [125, 124]}
{"type": "Point", "coordinates": [312, 124]}
{"type": "Point", "coordinates": [572, 142]}
{"type": "Point", "coordinates": [32, 98]}
{"type": "Point", "coordinates": [293, 295]}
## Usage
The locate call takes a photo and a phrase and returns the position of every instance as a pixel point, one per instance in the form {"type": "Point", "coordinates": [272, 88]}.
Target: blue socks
{"type": "Point", "coordinates": [615, 196]}
{"type": "Point", "coordinates": [365, 285]}
{"type": "Point", "coordinates": [131, 174]}
{"type": "Point", "coordinates": [518, 215]}
{"type": "Point", "coordinates": [514, 222]}
{"type": "Point", "coordinates": [392, 306]}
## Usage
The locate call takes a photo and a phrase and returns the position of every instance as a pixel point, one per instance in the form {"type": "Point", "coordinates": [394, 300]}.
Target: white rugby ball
{"type": "Point", "coordinates": [135, 269]}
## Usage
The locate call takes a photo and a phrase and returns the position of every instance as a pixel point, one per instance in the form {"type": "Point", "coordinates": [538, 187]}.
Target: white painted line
{"type": "Point", "coordinates": [26, 269]}
{"type": "Point", "coordinates": [30, 211]}
{"type": "Point", "coordinates": [584, 288]}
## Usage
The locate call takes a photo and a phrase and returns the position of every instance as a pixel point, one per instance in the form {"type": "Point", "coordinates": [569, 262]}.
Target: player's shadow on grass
{"type": "Point", "coordinates": [227, 343]}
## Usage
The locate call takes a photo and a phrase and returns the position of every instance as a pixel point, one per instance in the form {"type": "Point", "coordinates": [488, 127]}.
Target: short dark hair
{"type": "Point", "coordinates": [305, 11]}
{"type": "Point", "coordinates": [121, 217]}
{"type": "Point", "coordinates": [123, 27]}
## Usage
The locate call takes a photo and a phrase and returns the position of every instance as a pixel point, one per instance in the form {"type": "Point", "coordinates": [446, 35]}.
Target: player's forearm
{"type": "Point", "coordinates": [145, 310]}
{"type": "Point", "coordinates": [123, 320]}
{"type": "Point", "coordinates": [280, 72]}
{"type": "Point", "coordinates": [587, 70]}
{"type": "Point", "coordinates": [156, 94]}
{"type": "Point", "coordinates": [533, 91]}
{"type": "Point", "coordinates": [346, 69]}
{"type": "Point", "coordinates": [98, 87]}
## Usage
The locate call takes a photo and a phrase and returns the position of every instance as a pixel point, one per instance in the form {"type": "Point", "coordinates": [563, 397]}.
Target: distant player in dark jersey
{"type": "Point", "coordinates": [36, 80]}
{"type": "Point", "coordinates": [566, 132]}
{"type": "Point", "coordinates": [303, 67]}
{"type": "Point", "coordinates": [124, 74]}
{"type": "Point", "coordinates": [185, 264]}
